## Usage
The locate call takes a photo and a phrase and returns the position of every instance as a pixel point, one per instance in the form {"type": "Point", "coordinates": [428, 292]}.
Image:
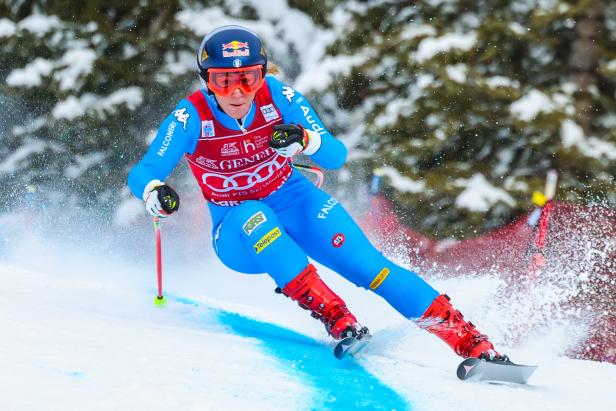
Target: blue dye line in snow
{"type": "Point", "coordinates": [340, 384]}
{"type": "Point", "coordinates": [75, 374]}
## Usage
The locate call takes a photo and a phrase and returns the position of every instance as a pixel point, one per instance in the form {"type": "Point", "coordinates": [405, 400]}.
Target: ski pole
{"type": "Point", "coordinates": [160, 298]}
{"type": "Point", "coordinates": [314, 170]}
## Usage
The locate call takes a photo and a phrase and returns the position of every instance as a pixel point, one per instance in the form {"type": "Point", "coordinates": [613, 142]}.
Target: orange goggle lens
{"type": "Point", "coordinates": [224, 81]}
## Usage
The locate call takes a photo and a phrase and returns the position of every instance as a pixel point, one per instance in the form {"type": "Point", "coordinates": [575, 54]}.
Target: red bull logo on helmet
{"type": "Point", "coordinates": [235, 49]}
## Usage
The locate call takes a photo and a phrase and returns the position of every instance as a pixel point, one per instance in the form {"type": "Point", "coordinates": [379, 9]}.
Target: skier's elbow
{"type": "Point", "coordinates": [132, 181]}
{"type": "Point", "coordinates": [338, 163]}
{"type": "Point", "coordinates": [339, 159]}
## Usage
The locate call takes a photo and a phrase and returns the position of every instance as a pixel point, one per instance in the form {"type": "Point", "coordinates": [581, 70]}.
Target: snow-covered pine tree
{"type": "Point", "coordinates": [86, 83]}
{"type": "Point", "coordinates": [468, 104]}
{"type": "Point", "coordinates": [83, 84]}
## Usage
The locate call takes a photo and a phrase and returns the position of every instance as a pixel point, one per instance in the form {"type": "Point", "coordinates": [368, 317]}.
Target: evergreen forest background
{"type": "Point", "coordinates": [439, 96]}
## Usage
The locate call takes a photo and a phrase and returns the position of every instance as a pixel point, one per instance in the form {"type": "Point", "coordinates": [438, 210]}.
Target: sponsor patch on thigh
{"type": "Point", "coordinates": [267, 239]}
{"type": "Point", "coordinates": [254, 222]}
{"type": "Point", "coordinates": [378, 280]}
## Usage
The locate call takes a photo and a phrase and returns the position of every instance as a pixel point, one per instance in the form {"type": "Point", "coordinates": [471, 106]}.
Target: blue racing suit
{"type": "Point", "coordinates": [277, 234]}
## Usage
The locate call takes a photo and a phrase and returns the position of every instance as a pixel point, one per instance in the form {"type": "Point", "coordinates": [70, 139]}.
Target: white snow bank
{"type": "Point", "coordinates": [85, 338]}
{"type": "Point", "coordinates": [82, 329]}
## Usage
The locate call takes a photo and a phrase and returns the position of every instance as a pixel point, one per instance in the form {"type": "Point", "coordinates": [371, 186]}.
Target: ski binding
{"type": "Point", "coordinates": [352, 345]}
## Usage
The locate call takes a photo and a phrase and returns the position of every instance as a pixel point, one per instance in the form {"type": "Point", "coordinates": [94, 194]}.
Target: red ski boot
{"type": "Point", "coordinates": [311, 293]}
{"type": "Point", "coordinates": [447, 323]}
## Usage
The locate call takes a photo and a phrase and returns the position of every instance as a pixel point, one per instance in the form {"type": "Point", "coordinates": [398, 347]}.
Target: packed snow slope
{"type": "Point", "coordinates": [79, 330]}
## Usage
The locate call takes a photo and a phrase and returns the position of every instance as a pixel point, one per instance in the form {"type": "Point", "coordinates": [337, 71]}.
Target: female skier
{"type": "Point", "coordinates": [238, 134]}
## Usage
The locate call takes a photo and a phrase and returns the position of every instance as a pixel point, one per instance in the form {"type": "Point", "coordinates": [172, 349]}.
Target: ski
{"type": "Point", "coordinates": [475, 369]}
{"type": "Point", "coordinates": [351, 345]}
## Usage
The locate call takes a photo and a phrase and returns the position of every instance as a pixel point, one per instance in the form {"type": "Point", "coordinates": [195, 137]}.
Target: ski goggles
{"type": "Point", "coordinates": [224, 81]}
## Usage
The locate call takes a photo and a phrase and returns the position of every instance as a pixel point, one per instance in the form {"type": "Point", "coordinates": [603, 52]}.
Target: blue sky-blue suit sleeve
{"type": "Point", "coordinates": [297, 110]}
{"type": "Point", "coordinates": [177, 135]}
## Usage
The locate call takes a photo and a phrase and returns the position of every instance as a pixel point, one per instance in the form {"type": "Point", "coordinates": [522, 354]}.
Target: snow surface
{"type": "Point", "coordinates": [80, 331]}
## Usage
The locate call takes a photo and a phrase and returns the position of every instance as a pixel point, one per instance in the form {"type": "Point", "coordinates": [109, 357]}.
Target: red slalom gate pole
{"type": "Point", "coordinates": [546, 202]}
{"type": "Point", "coordinates": [160, 298]}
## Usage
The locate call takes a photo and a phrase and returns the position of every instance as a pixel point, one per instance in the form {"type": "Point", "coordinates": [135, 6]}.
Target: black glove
{"type": "Point", "coordinates": [162, 201]}
{"type": "Point", "coordinates": [289, 139]}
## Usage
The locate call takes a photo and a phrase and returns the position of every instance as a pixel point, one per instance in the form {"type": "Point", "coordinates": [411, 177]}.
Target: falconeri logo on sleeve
{"type": "Point", "coordinates": [267, 239]}
{"type": "Point", "coordinates": [378, 280]}
{"type": "Point", "coordinates": [207, 128]}
{"type": "Point", "coordinates": [254, 222]}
